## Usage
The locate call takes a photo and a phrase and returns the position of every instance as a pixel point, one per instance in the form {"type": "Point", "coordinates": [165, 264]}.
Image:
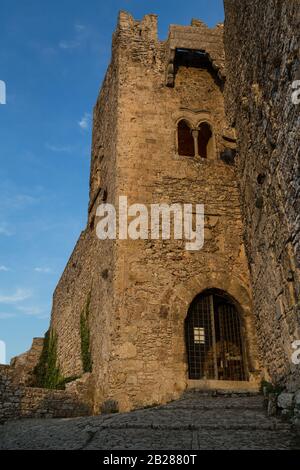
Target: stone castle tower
{"type": "Point", "coordinates": [160, 318]}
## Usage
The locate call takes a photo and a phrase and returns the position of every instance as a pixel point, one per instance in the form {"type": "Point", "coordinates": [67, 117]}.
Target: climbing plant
{"type": "Point", "coordinates": [85, 337]}
{"type": "Point", "coordinates": [46, 373]}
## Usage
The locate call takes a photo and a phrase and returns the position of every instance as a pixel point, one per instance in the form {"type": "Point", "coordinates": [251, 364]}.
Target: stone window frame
{"type": "Point", "coordinates": [194, 119]}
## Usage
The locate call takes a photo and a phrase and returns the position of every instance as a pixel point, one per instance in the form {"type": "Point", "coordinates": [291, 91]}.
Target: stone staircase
{"type": "Point", "coordinates": [198, 421]}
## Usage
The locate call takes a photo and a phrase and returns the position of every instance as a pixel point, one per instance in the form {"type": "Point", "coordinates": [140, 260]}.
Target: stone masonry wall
{"type": "Point", "coordinates": [141, 290]}
{"type": "Point", "coordinates": [17, 401]}
{"type": "Point", "coordinates": [90, 270]}
{"type": "Point", "coordinates": [155, 281]}
{"type": "Point", "coordinates": [23, 365]}
{"type": "Point", "coordinates": [262, 46]}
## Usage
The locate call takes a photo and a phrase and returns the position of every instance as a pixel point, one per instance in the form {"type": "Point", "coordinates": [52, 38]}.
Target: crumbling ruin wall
{"type": "Point", "coordinates": [262, 57]}
{"type": "Point", "coordinates": [17, 401]}
{"type": "Point", "coordinates": [23, 366]}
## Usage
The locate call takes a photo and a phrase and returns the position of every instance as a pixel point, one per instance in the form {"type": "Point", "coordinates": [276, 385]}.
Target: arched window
{"type": "Point", "coordinates": [186, 145]}
{"type": "Point", "coordinates": [214, 341]}
{"type": "Point", "coordinates": [205, 141]}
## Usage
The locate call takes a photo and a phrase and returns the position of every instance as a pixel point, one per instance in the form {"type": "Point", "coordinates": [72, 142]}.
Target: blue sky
{"type": "Point", "coordinates": [53, 56]}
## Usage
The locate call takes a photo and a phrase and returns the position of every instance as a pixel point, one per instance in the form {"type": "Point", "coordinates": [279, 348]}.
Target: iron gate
{"type": "Point", "coordinates": [213, 339]}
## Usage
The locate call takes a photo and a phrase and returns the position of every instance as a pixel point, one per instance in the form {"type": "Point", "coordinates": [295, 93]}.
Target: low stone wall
{"type": "Point", "coordinates": [23, 365]}
{"type": "Point", "coordinates": [17, 401]}
{"type": "Point", "coordinates": [285, 404]}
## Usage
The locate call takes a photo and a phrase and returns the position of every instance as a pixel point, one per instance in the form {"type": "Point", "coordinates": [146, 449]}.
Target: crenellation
{"type": "Point", "coordinates": [136, 32]}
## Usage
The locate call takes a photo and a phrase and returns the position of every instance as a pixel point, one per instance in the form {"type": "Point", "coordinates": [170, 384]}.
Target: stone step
{"type": "Point", "coordinates": [235, 426]}
{"type": "Point", "coordinates": [173, 418]}
{"type": "Point", "coordinates": [245, 440]}
{"type": "Point", "coordinates": [194, 422]}
{"type": "Point", "coordinates": [209, 402]}
{"type": "Point", "coordinates": [200, 440]}
{"type": "Point", "coordinates": [223, 387]}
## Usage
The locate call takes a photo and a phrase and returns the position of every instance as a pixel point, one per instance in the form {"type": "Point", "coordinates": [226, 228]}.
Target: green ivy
{"type": "Point", "coordinates": [85, 337]}
{"type": "Point", "coordinates": [270, 388]}
{"type": "Point", "coordinates": [47, 373]}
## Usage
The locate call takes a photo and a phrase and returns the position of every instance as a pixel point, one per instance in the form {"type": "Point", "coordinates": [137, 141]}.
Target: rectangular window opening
{"type": "Point", "coordinates": [199, 335]}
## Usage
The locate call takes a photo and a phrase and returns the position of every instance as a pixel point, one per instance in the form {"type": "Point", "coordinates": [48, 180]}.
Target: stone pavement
{"type": "Point", "coordinates": [195, 422]}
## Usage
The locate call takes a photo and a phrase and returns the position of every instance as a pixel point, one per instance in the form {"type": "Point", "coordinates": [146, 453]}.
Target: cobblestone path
{"type": "Point", "coordinates": [195, 422]}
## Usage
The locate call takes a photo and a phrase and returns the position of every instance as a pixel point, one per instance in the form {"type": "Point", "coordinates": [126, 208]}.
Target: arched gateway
{"type": "Point", "coordinates": [214, 340]}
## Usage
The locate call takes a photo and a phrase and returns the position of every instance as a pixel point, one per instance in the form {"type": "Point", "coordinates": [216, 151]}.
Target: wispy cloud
{"type": "Point", "coordinates": [41, 48]}
{"type": "Point", "coordinates": [4, 268]}
{"type": "Point", "coordinates": [12, 197]}
{"type": "Point", "coordinates": [48, 51]}
{"type": "Point", "coordinates": [19, 201]}
{"type": "Point", "coordinates": [59, 148]}
{"type": "Point", "coordinates": [18, 296]}
{"type": "Point", "coordinates": [69, 44]}
{"type": "Point", "coordinates": [81, 35]}
{"type": "Point", "coordinates": [84, 122]}
{"type": "Point", "coordinates": [43, 270]}
{"type": "Point", "coordinates": [5, 230]}
{"type": "Point", "coordinates": [31, 310]}
{"type": "Point", "coordinates": [79, 27]}
{"type": "Point", "coordinates": [6, 316]}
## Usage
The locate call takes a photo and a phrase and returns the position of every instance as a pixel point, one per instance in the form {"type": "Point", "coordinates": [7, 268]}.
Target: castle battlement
{"type": "Point", "coordinates": [143, 30]}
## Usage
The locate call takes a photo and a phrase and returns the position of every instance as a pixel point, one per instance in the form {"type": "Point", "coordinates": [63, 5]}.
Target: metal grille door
{"type": "Point", "coordinates": [230, 357]}
{"type": "Point", "coordinates": [213, 340]}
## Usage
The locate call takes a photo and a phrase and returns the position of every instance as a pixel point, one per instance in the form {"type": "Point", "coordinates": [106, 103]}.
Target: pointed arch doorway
{"type": "Point", "coordinates": [214, 342]}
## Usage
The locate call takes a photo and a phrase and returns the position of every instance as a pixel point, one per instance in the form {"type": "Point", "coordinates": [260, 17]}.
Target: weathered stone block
{"type": "Point", "coordinates": [285, 401]}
